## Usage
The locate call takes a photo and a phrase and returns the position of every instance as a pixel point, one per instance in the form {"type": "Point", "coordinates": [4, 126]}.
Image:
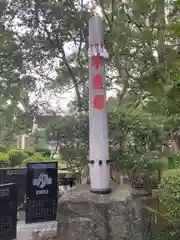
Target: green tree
{"type": "Point", "coordinates": [135, 137]}
{"type": "Point", "coordinates": [143, 43]}
{"type": "Point", "coordinates": [142, 47]}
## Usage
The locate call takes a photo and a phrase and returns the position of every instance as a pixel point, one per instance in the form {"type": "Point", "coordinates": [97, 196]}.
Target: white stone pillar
{"type": "Point", "coordinates": [98, 123]}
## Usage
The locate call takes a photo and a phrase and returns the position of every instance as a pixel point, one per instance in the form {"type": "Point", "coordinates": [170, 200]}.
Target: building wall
{"type": "Point", "coordinates": [23, 141]}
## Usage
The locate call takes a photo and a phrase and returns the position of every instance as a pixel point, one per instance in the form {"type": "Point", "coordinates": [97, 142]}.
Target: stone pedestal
{"type": "Point", "coordinates": [83, 215]}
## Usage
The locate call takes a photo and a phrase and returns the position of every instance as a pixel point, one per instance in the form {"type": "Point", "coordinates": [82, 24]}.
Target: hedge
{"type": "Point", "coordinates": [16, 157]}
{"type": "Point", "coordinates": [36, 157]}
{"type": "Point", "coordinates": [3, 156]}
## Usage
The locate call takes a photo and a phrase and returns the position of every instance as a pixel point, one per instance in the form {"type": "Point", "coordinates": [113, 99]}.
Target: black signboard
{"type": "Point", "coordinates": [41, 192]}
{"type": "Point", "coordinates": [8, 211]}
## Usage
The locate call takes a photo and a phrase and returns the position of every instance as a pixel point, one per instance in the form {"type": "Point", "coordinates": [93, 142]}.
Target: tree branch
{"type": "Point", "coordinates": [61, 49]}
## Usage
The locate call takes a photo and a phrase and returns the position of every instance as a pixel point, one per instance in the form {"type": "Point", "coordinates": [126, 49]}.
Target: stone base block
{"type": "Point", "coordinates": [83, 215]}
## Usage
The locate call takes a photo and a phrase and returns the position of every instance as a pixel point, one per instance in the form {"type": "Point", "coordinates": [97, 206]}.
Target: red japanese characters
{"type": "Point", "coordinates": [96, 62]}
{"type": "Point", "coordinates": [97, 82]}
{"type": "Point", "coordinates": [98, 102]}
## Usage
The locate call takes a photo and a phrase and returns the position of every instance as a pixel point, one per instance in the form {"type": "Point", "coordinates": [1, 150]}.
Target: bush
{"type": "Point", "coordinates": [28, 151]}
{"type": "Point", "coordinates": [174, 160]}
{"type": "Point", "coordinates": [26, 161]}
{"type": "Point", "coordinates": [3, 149]}
{"type": "Point", "coordinates": [170, 196]}
{"type": "Point", "coordinates": [36, 157]}
{"type": "Point", "coordinates": [3, 156]}
{"type": "Point", "coordinates": [44, 152]}
{"type": "Point", "coordinates": [160, 234]}
{"type": "Point", "coordinates": [16, 157]}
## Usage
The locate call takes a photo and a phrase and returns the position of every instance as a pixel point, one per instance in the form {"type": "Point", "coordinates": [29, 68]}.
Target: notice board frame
{"type": "Point", "coordinates": [41, 192]}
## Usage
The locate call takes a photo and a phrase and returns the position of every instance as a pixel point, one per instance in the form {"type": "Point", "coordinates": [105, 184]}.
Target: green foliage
{"type": "Point", "coordinates": [133, 137]}
{"type": "Point", "coordinates": [28, 151]}
{"type": "Point", "coordinates": [26, 161]}
{"type": "Point", "coordinates": [161, 234]}
{"type": "Point", "coordinates": [71, 130]}
{"type": "Point", "coordinates": [170, 172]}
{"type": "Point", "coordinates": [142, 40]}
{"type": "Point", "coordinates": [39, 157]}
{"type": "Point", "coordinates": [10, 59]}
{"type": "Point", "coordinates": [20, 157]}
{"type": "Point", "coordinates": [170, 197]}
{"type": "Point", "coordinates": [134, 32]}
{"type": "Point", "coordinates": [16, 157]}
{"type": "Point", "coordinates": [3, 149]}
{"type": "Point", "coordinates": [137, 130]}
{"type": "Point", "coordinates": [74, 157]}
{"type": "Point", "coordinates": [45, 152]}
{"type": "Point", "coordinates": [3, 156]}
{"type": "Point", "coordinates": [174, 160]}
{"type": "Point", "coordinates": [36, 157]}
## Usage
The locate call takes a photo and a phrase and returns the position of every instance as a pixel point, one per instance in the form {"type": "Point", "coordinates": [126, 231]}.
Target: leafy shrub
{"type": "Point", "coordinates": [28, 151]}
{"type": "Point", "coordinates": [170, 196]}
{"type": "Point", "coordinates": [174, 160]}
{"type": "Point", "coordinates": [3, 149]}
{"type": "Point", "coordinates": [3, 156]}
{"type": "Point", "coordinates": [36, 157]}
{"type": "Point", "coordinates": [44, 152]}
{"type": "Point", "coordinates": [39, 157]}
{"type": "Point", "coordinates": [16, 157]}
{"type": "Point", "coordinates": [26, 161]}
{"type": "Point", "coordinates": [160, 234]}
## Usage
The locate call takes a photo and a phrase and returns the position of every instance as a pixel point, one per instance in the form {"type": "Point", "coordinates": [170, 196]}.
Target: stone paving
{"type": "Point", "coordinates": [24, 231]}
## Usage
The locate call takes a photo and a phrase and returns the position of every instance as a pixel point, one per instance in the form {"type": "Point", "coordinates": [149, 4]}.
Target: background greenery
{"type": "Point", "coordinates": [143, 72]}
